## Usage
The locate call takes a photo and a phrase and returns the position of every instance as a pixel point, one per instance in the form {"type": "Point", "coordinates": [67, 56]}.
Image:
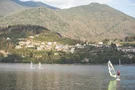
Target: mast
{"type": "Point", "coordinates": [119, 62]}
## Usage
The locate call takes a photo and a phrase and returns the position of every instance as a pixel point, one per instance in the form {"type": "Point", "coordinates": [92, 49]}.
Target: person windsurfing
{"type": "Point", "coordinates": [112, 71]}
{"type": "Point", "coordinates": [118, 74]}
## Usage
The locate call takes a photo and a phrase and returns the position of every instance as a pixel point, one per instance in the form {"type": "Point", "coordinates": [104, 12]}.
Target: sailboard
{"type": "Point", "coordinates": [111, 69]}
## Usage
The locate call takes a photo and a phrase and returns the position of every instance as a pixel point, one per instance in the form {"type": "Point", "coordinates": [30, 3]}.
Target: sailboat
{"type": "Point", "coordinates": [39, 66]}
{"type": "Point", "coordinates": [31, 66]}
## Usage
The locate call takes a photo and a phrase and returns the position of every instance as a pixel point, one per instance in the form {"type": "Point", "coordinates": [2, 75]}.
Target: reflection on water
{"type": "Point", "coordinates": [62, 77]}
{"type": "Point", "coordinates": [112, 85]}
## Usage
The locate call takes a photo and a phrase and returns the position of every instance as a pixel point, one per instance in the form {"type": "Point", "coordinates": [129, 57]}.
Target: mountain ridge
{"type": "Point", "coordinates": [11, 6]}
{"type": "Point", "coordinates": [8, 6]}
{"type": "Point", "coordinates": [33, 4]}
{"type": "Point", "coordinates": [93, 22]}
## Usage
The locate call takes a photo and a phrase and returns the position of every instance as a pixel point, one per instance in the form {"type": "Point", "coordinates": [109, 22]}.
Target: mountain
{"type": "Point", "coordinates": [10, 6]}
{"type": "Point", "coordinates": [93, 22]}
{"type": "Point", "coordinates": [33, 4]}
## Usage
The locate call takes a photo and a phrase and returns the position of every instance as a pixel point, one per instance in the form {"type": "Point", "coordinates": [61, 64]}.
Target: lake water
{"type": "Point", "coordinates": [64, 77]}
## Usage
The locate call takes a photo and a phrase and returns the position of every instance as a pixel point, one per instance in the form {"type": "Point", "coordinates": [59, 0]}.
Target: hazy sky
{"type": "Point", "coordinates": [126, 6]}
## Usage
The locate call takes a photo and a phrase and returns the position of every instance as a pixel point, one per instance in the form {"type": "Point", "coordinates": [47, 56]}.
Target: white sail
{"type": "Point", "coordinates": [39, 66]}
{"type": "Point", "coordinates": [111, 69]}
{"type": "Point", "coordinates": [31, 66]}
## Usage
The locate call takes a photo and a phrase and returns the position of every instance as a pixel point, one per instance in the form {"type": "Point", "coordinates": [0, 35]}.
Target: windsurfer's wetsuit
{"type": "Point", "coordinates": [118, 73]}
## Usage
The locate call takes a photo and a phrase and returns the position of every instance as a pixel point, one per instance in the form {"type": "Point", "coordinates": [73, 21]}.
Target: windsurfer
{"type": "Point", "coordinates": [118, 74]}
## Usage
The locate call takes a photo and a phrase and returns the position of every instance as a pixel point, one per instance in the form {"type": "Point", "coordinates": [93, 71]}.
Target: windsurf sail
{"type": "Point", "coordinates": [111, 69]}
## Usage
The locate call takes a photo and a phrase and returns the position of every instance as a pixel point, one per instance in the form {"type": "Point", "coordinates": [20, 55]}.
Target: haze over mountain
{"type": "Point", "coordinates": [10, 6]}
{"type": "Point", "coordinates": [93, 22]}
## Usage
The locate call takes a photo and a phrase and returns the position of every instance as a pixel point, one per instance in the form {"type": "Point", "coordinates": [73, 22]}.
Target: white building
{"type": "Point", "coordinates": [72, 50]}
{"type": "Point", "coordinates": [31, 37]}
{"type": "Point", "coordinates": [8, 38]}
{"type": "Point", "coordinates": [18, 47]}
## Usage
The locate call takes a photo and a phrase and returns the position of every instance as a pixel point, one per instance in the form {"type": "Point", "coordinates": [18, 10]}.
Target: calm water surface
{"type": "Point", "coordinates": [64, 77]}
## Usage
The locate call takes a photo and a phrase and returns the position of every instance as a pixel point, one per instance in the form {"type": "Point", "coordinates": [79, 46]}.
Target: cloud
{"type": "Point", "coordinates": [69, 3]}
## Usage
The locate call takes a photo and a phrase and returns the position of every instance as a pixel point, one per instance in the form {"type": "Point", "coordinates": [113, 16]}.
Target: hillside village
{"type": "Point", "coordinates": [39, 46]}
{"type": "Point", "coordinates": [42, 46]}
{"type": "Point", "coordinates": [30, 43]}
{"type": "Point", "coordinates": [26, 43]}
